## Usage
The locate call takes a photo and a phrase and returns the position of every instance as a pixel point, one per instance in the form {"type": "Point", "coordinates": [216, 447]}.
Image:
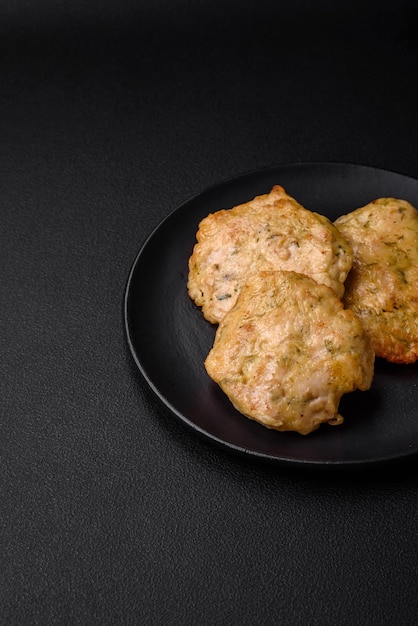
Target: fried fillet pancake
{"type": "Point", "coordinates": [382, 287]}
{"type": "Point", "coordinates": [271, 232]}
{"type": "Point", "coordinates": [288, 350]}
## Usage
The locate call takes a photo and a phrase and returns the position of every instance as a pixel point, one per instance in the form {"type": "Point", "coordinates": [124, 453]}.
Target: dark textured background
{"type": "Point", "coordinates": [111, 115]}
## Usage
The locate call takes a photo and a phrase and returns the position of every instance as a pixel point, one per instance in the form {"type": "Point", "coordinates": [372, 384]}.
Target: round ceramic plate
{"type": "Point", "coordinates": [169, 338]}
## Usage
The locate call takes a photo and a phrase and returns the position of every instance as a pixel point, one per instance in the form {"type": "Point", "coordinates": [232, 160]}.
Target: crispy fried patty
{"type": "Point", "coordinates": [382, 287]}
{"type": "Point", "coordinates": [287, 351]}
{"type": "Point", "coordinates": [271, 232]}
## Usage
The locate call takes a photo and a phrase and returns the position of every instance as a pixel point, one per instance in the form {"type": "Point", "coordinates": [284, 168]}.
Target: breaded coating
{"type": "Point", "coordinates": [287, 352]}
{"type": "Point", "coordinates": [271, 232]}
{"type": "Point", "coordinates": [382, 287]}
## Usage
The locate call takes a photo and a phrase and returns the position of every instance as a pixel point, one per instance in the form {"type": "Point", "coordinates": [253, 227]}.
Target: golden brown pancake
{"type": "Point", "coordinates": [271, 232]}
{"type": "Point", "coordinates": [382, 287]}
{"type": "Point", "coordinates": [287, 352]}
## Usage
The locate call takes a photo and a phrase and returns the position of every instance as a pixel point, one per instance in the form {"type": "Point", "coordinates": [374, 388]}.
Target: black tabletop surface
{"type": "Point", "coordinates": [112, 115]}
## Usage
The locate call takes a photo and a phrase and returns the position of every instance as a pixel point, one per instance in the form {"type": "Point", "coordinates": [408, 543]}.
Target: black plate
{"type": "Point", "coordinates": [169, 338]}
